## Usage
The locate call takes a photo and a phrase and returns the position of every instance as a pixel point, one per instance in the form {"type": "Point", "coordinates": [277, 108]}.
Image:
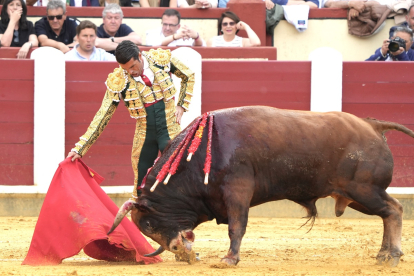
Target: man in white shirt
{"type": "Point", "coordinates": [172, 33]}
{"type": "Point", "coordinates": [86, 50]}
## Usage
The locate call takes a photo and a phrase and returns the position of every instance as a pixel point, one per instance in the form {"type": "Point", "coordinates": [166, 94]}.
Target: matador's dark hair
{"type": "Point", "coordinates": [125, 51]}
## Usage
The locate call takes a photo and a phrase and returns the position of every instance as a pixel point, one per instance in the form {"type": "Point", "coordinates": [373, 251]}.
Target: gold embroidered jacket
{"type": "Point", "coordinates": [135, 94]}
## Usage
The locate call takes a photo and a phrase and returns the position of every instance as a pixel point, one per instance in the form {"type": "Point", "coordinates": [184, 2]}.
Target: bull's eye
{"type": "Point", "coordinates": [147, 223]}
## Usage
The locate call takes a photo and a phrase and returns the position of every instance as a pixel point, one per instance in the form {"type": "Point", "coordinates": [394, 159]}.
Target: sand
{"type": "Point", "coordinates": [271, 246]}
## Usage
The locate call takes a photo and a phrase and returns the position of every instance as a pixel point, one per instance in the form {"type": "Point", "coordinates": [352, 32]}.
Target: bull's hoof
{"type": "Point", "coordinates": [230, 261]}
{"type": "Point", "coordinates": [388, 260]}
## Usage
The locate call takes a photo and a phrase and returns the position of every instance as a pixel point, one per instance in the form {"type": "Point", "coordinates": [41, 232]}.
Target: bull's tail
{"type": "Point", "coordinates": [384, 126]}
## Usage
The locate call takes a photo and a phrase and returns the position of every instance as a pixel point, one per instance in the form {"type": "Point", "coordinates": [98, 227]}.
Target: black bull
{"type": "Point", "coordinates": [262, 154]}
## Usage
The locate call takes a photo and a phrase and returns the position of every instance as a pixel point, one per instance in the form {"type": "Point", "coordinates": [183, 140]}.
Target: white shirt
{"type": "Point", "coordinates": [218, 41]}
{"type": "Point", "coordinates": [148, 72]}
{"type": "Point", "coordinates": [97, 55]}
{"type": "Point", "coordinates": [155, 38]}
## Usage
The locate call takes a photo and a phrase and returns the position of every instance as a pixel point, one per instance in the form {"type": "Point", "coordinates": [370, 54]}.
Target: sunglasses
{"type": "Point", "coordinates": [52, 17]}
{"type": "Point", "coordinates": [224, 24]}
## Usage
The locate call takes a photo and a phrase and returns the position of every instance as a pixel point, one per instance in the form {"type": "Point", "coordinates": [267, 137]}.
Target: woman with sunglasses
{"type": "Point", "coordinates": [15, 29]}
{"type": "Point", "coordinates": [229, 24]}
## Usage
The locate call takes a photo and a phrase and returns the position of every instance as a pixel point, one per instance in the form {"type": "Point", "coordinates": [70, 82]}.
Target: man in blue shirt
{"type": "Point", "coordinates": [55, 30]}
{"type": "Point", "coordinates": [112, 31]}
{"type": "Point", "coordinates": [86, 50]}
{"type": "Point", "coordinates": [408, 23]}
{"type": "Point", "coordinates": [404, 52]}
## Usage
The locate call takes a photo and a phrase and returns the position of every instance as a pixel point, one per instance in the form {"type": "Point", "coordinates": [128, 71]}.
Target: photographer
{"type": "Point", "coordinates": [395, 49]}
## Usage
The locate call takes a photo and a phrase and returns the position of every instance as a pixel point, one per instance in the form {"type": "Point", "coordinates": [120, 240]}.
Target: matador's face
{"type": "Point", "coordinates": [134, 67]}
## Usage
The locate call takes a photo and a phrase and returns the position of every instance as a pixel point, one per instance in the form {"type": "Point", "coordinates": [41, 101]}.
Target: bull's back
{"type": "Point", "coordinates": [295, 154]}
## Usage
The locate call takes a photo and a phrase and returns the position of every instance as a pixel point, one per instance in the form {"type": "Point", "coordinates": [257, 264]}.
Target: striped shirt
{"type": "Point", "coordinates": [218, 41]}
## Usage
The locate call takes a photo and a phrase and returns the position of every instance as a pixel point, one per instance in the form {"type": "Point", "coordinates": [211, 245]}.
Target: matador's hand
{"type": "Point", "coordinates": [73, 155]}
{"type": "Point", "coordinates": [179, 113]}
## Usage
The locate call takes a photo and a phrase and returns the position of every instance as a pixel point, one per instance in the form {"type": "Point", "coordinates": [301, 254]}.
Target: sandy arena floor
{"type": "Point", "coordinates": [270, 247]}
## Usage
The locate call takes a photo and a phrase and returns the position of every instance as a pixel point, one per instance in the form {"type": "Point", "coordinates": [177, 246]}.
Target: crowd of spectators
{"type": "Point", "coordinates": [85, 41]}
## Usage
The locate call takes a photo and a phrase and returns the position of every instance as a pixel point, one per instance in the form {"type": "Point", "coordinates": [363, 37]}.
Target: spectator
{"type": "Point", "coordinates": [84, 3]}
{"type": "Point", "coordinates": [85, 49]}
{"type": "Point", "coordinates": [313, 4]}
{"type": "Point", "coordinates": [409, 23]}
{"type": "Point", "coordinates": [15, 29]}
{"type": "Point", "coordinates": [222, 3]}
{"type": "Point", "coordinates": [387, 53]}
{"type": "Point", "coordinates": [112, 31]}
{"type": "Point", "coordinates": [172, 34]}
{"type": "Point", "coordinates": [55, 30]}
{"type": "Point", "coordinates": [229, 24]}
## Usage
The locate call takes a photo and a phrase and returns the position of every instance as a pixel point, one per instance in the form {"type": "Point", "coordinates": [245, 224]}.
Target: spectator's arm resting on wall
{"type": "Point", "coordinates": [355, 7]}
{"type": "Point", "coordinates": [45, 41]}
{"type": "Point", "coordinates": [253, 40]}
{"type": "Point", "coordinates": [203, 4]}
{"type": "Point", "coordinates": [24, 50]}
{"type": "Point", "coordinates": [106, 44]}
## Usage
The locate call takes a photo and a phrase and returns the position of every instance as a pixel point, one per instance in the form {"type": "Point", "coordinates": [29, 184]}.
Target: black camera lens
{"type": "Point", "coordinates": [396, 43]}
{"type": "Point", "coordinates": [393, 46]}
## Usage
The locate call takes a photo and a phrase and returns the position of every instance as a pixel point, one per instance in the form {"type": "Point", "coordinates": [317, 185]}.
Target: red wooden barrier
{"type": "Point", "coordinates": [376, 89]}
{"type": "Point", "coordinates": [384, 91]}
{"type": "Point", "coordinates": [279, 84]}
{"type": "Point", "coordinates": [16, 122]}
{"type": "Point", "coordinates": [111, 154]}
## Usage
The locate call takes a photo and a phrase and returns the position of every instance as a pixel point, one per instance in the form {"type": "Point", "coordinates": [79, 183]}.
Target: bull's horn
{"type": "Point", "coordinates": [189, 157]}
{"type": "Point", "coordinates": [156, 252]}
{"type": "Point", "coordinates": [125, 208]}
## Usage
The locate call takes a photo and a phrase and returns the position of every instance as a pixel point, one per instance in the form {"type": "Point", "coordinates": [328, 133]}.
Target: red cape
{"type": "Point", "coordinates": [76, 215]}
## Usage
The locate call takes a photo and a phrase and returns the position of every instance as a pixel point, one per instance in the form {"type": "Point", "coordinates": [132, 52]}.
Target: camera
{"type": "Point", "coordinates": [396, 43]}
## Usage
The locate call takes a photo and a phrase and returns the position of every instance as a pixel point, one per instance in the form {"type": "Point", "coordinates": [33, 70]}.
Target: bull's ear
{"type": "Point", "coordinates": [142, 207]}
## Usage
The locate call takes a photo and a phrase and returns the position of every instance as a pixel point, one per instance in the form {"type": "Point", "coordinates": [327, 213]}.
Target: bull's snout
{"type": "Point", "coordinates": [183, 242]}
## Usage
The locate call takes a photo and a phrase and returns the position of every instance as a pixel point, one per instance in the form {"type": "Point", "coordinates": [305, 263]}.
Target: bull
{"type": "Point", "coordinates": [263, 154]}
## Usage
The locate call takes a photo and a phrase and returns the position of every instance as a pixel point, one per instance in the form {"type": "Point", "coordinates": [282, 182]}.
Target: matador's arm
{"type": "Point", "coordinates": [187, 82]}
{"type": "Point", "coordinates": [116, 83]}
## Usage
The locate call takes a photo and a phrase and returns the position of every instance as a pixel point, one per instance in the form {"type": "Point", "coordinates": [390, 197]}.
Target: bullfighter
{"type": "Point", "coordinates": [143, 81]}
